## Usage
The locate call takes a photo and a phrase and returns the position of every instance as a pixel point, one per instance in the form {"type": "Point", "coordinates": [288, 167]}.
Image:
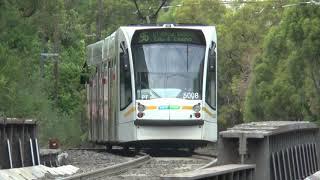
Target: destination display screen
{"type": "Point", "coordinates": [168, 36]}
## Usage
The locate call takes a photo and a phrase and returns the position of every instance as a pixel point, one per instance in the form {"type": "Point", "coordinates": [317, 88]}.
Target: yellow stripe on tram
{"type": "Point", "coordinates": [187, 107]}
{"type": "Point", "coordinates": [208, 112]}
{"type": "Point", "coordinates": [151, 107]}
{"type": "Point", "coordinates": [131, 110]}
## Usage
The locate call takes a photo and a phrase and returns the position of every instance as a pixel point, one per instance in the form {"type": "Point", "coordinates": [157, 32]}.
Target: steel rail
{"type": "Point", "coordinates": [210, 164]}
{"type": "Point", "coordinates": [87, 149]}
{"type": "Point", "coordinates": [213, 160]}
{"type": "Point", "coordinates": [204, 154]}
{"type": "Point", "coordinates": [118, 168]}
{"type": "Point", "coordinates": [203, 157]}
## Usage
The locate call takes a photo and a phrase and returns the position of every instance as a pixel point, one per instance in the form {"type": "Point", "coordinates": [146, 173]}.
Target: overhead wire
{"type": "Point", "coordinates": [164, 6]}
{"type": "Point", "coordinates": [240, 2]}
{"type": "Point", "coordinates": [147, 17]}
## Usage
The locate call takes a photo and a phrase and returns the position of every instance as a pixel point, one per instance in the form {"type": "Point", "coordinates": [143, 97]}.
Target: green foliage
{"type": "Point", "coordinates": [18, 49]}
{"type": "Point", "coordinates": [286, 77]}
{"type": "Point", "coordinates": [196, 12]}
{"type": "Point", "coordinates": [27, 29]}
{"type": "Point", "coordinates": [23, 93]}
{"type": "Point", "coordinates": [268, 58]}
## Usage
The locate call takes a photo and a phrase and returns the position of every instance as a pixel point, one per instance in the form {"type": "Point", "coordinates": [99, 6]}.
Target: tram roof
{"type": "Point", "coordinates": [175, 24]}
{"type": "Point", "coordinates": [94, 51]}
{"type": "Point", "coordinates": [155, 26]}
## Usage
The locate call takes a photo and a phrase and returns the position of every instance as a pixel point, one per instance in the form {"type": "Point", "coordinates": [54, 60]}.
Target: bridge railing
{"type": "Point", "coordinates": [280, 149]}
{"type": "Point", "coordinates": [273, 150]}
{"type": "Point", "coordinates": [18, 143]}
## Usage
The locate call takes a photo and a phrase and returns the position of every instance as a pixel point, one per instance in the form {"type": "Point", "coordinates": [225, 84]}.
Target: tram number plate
{"type": "Point", "coordinates": [190, 95]}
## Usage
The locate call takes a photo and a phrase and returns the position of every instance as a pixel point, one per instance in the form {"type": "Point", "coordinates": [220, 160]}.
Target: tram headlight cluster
{"type": "Point", "coordinates": [140, 114]}
{"type": "Point", "coordinates": [141, 108]}
{"type": "Point", "coordinates": [197, 109]}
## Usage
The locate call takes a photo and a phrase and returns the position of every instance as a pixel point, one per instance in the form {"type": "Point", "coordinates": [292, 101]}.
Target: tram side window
{"type": "Point", "coordinates": [211, 79]}
{"type": "Point", "coordinates": [125, 78]}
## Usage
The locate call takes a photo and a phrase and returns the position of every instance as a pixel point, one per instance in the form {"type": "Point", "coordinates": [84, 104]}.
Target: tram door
{"type": "Point", "coordinates": [93, 107]}
{"type": "Point", "coordinates": [112, 105]}
{"type": "Point", "coordinates": [90, 105]}
{"type": "Point", "coordinates": [108, 101]}
{"type": "Point", "coordinates": [105, 99]}
{"type": "Point", "coordinates": [100, 103]}
{"type": "Point", "coordinates": [108, 91]}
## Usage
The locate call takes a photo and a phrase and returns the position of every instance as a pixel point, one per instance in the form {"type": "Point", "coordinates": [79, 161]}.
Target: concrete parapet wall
{"type": "Point", "coordinates": [280, 149]}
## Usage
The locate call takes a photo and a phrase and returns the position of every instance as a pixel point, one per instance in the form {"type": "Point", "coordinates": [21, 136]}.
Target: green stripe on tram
{"type": "Point", "coordinates": [171, 107]}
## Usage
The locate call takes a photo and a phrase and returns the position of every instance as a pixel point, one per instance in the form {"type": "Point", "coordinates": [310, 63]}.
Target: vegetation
{"type": "Point", "coordinates": [269, 58]}
{"type": "Point", "coordinates": [286, 74]}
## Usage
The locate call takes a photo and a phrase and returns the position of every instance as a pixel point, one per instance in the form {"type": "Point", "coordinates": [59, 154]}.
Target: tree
{"type": "Point", "coordinates": [286, 75]}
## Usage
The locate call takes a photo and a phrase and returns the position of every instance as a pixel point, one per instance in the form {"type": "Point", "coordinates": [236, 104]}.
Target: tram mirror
{"type": "Point", "coordinates": [124, 58]}
{"type": "Point", "coordinates": [213, 45]}
{"type": "Point", "coordinates": [126, 62]}
{"type": "Point", "coordinates": [212, 60]}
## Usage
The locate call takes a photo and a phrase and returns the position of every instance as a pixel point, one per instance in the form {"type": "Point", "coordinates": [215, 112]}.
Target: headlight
{"type": "Point", "coordinates": [140, 114]}
{"type": "Point", "coordinates": [141, 107]}
{"type": "Point", "coordinates": [196, 107]}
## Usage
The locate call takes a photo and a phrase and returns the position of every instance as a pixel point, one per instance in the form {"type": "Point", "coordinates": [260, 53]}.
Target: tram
{"type": "Point", "coordinates": [153, 85]}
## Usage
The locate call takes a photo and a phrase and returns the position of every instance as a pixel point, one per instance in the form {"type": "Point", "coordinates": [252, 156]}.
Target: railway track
{"type": "Point", "coordinates": [116, 165]}
{"type": "Point", "coordinates": [107, 171]}
{"type": "Point", "coordinates": [159, 166]}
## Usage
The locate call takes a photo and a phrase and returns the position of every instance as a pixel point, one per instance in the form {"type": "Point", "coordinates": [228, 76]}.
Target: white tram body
{"type": "Point", "coordinates": [153, 84]}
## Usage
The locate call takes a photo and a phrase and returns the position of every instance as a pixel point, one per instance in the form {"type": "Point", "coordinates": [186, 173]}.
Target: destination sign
{"type": "Point", "coordinates": [168, 36]}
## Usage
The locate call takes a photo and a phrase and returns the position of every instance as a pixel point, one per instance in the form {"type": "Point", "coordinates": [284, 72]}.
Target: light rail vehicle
{"type": "Point", "coordinates": [153, 86]}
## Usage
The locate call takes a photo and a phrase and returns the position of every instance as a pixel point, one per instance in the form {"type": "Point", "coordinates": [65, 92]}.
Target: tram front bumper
{"type": "Point", "coordinates": [169, 129]}
{"type": "Point", "coordinates": [150, 122]}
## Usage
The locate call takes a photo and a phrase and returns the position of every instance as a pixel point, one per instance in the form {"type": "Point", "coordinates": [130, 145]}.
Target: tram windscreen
{"type": "Point", "coordinates": [170, 68]}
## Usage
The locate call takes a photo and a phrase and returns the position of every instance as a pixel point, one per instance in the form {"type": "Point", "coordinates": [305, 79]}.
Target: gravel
{"type": "Point", "coordinates": [210, 149]}
{"type": "Point", "coordinates": [92, 160]}
{"type": "Point", "coordinates": [161, 166]}
{"type": "Point", "coordinates": [88, 161]}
